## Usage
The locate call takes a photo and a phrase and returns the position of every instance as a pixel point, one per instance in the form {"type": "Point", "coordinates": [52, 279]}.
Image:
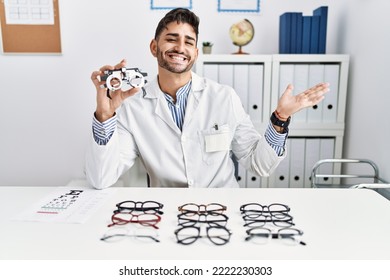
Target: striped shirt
{"type": "Point", "coordinates": [178, 109]}
{"type": "Point", "coordinates": [275, 139]}
{"type": "Point", "coordinates": [102, 132]}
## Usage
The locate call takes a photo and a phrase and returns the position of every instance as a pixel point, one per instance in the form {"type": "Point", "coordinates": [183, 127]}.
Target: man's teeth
{"type": "Point", "coordinates": [178, 58]}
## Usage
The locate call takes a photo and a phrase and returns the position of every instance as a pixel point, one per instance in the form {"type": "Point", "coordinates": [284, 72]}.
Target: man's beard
{"type": "Point", "coordinates": [174, 68]}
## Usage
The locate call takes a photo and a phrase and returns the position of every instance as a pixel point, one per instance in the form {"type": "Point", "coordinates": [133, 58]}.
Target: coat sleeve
{"type": "Point", "coordinates": [250, 148]}
{"type": "Point", "coordinates": [106, 163]}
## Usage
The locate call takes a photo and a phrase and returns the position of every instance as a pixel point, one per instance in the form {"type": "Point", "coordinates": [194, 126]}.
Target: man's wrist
{"type": "Point", "coordinates": [281, 116]}
{"type": "Point", "coordinates": [280, 123]}
{"type": "Point", "coordinates": [102, 117]}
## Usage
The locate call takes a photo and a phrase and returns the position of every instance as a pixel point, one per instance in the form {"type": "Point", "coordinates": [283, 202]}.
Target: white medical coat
{"type": "Point", "coordinates": [215, 125]}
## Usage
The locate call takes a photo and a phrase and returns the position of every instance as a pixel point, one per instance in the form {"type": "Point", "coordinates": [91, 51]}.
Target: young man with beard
{"type": "Point", "coordinates": [184, 128]}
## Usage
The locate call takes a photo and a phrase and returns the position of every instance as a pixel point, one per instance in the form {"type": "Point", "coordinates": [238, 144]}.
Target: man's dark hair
{"type": "Point", "coordinates": [179, 15]}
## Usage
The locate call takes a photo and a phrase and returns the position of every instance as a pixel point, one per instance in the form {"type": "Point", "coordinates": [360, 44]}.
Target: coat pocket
{"type": "Point", "coordinates": [215, 143]}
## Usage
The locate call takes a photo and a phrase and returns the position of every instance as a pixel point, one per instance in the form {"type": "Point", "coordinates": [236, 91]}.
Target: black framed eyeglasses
{"type": "Point", "coordinates": [261, 235]}
{"type": "Point", "coordinates": [256, 209]}
{"type": "Point", "coordinates": [285, 220]}
{"type": "Point", "coordinates": [124, 217]}
{"type": "Point", "coordinates": [193, 208]}
{"type": "Point", "coordinates": [215, 218]}
{"type": "Point", "coordinates": [149, 207]}
{"type": "Point", "coordinates": [187, 235]}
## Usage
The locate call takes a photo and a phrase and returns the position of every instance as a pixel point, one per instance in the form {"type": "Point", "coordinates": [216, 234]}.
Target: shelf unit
{"type": "Point", "coordinates": [315, 133]}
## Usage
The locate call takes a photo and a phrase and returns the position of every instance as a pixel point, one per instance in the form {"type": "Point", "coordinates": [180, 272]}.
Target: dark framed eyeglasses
{"type": "Point", "coordinates": [255, 209]}
{"type": "Point", "coordinates": [123, 218]}
{"type": "Point", "coordinates": [215, 219]}
{"type": "Point", "coordinates": [284, 220]}
{"type": "Point", "coordinates": [218, 235]}
{"type": "Point", "coordinates": [192, 208]}
{"type": "Point", "coordinates": [149, 207]}
{"type": "Point", "coordinates": [261, 235]}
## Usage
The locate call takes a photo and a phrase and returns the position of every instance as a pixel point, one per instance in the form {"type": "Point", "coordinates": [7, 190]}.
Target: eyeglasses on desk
{"type": "Point", "coordinates": [218, 235]}
{"type": "Point", "coordinates": [116, 234]}
{"type": "Point", "coordinates": [262, 235]}
{"type": "Point", "coordinates": [122, 218]}
{"type": "Point", "coordinates": [149, 207]}
{"type": "Point", "coordinates": [216, 219]}
{"type": "Point", "coordinates": [192, 208]}
{"type": "Point", "coordinates": [256, 209]}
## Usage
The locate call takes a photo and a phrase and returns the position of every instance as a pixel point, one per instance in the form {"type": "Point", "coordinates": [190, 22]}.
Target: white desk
{"type": "Point", "coordinates": [337, 224]}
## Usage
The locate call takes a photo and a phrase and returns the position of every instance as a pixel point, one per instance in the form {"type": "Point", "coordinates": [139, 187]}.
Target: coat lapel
{"type": "Point", "coordinates": [193, 99]}
{"type": "Point", "coordinates": [161, 108]}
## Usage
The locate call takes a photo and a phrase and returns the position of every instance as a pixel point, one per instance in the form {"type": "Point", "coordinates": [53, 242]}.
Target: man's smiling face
{"type": "Point", "coordinates": [175, 48]}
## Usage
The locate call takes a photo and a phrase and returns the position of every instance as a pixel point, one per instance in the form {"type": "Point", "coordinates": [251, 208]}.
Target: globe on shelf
{"type": "Point", "coordinates": [241, 34]}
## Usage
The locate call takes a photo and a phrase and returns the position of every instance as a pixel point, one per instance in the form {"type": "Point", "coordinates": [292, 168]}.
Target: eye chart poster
{"type": "Point", "coordinates": [29, 11]}
{"type": "Point", "coordinates": [66, 205]}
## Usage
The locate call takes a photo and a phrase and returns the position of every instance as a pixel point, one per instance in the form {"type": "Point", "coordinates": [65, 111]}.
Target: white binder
{"type": "Point", "coordinates": [286, 77]}
{"type": "Point", "coordinates": [241, 83]}
{"type": "Point", "coordinates": [241, 176]}
{"type": "Point", "coordinates": [253, 180]}
{"type": "Point", "coordinates": [255, 93]}
{"type": "Point", "coordinates": [211, 71]}
{"type": "Point", "coordinates": [316, 75]}
{"type": "Point", "coordinates": [280, 177]}
{"type": "Point", "coordinates": [331, 76]}
{"type": "Point", "coordinates": [312, 155]}
{"type": "Point", "coordinates": [301, 83]}
{"type": "Point", "coordinates": [225, 74]}
{"type": "Point", "coordinates": [326, 151]}
{"type": "Point", "coordinates": [297, 162]}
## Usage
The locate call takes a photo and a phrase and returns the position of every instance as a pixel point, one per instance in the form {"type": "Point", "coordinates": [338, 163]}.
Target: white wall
{"type": "Point", "coordinates": [365, 36]}
{"type": "Point", "coordinates": [47, 101]}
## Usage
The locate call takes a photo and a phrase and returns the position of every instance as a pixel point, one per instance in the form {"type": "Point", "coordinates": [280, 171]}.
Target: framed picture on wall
{"type": "Point", "coordinates": [252, 6]}
{"type": "Point", "coordinates": [170, 4]}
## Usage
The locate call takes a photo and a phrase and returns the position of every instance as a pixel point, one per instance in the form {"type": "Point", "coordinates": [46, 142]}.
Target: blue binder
{"type": "Point", "coordinates": [322, 12]}
{"type": "Point", "coordinates": [293, 28]}
{"type": "Point", "coordinates": [314, 35]}
{"type": "Point", "coordinates": [285, 33]}
{"type": "Point", "coordinates": [299, 32]}
{"type": "Point", "coordinates": [296, 32]}
{"type": "Point", "coordinates": [306, 32]}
